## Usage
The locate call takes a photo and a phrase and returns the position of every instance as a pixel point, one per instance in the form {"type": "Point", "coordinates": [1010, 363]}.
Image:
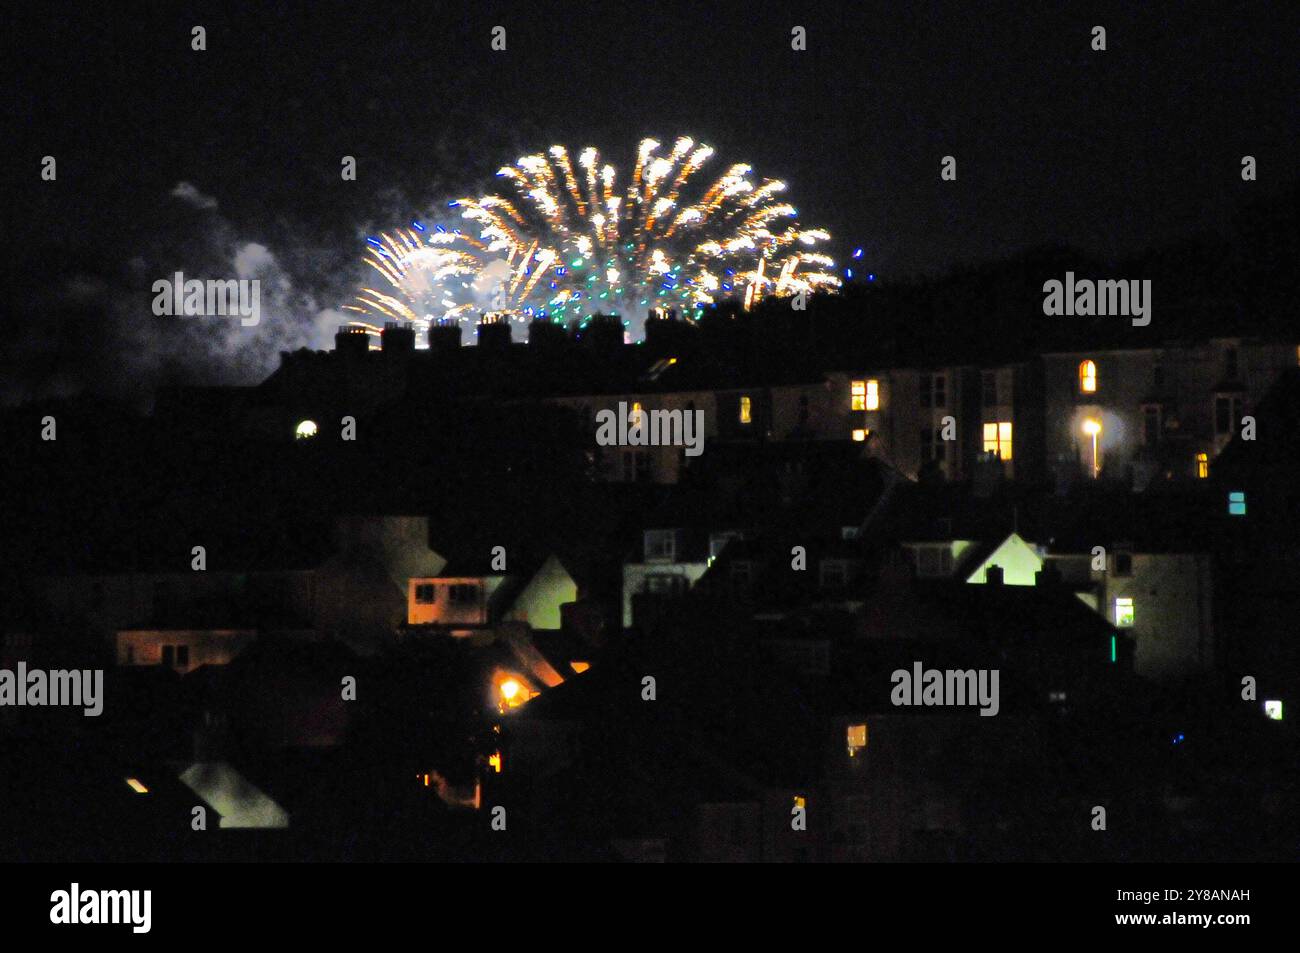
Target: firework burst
{"type": "Point", "coordinates": [573, 240]}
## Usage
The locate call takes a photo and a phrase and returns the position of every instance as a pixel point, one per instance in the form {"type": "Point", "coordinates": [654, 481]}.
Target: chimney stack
{"type": "Point", "coordinates": [397, 338]}
{"type": "Point", "coordinates": [546, 334]}
{"type": "Point", "coordinates": [444, 335]}
{"type": "Point", "coordinates": [604, 332]}
{"type": "Point", "coordinates": [494, 330]}
{"type": "Point", "coordinates": [352, 339]}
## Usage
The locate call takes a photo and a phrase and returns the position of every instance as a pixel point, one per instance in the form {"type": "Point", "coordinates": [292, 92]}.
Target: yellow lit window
{"type": "Point", "coordinates": [1087, 378]}
{"type": "Point", "coordinates": [636, 414]}
{"type": "Point", "coordinates": [579, 667]}
{"type": "Point", "coordinates": [800, 801]}
{"type": "Point", "coordinates": [1124, 612]}
{"type": "Point", "coordinates": [746, 410]}
{"type": "Point", "coordinates": [856, 736]}
{"type": "Point", "coordinates": [858, 395]}
{"type": "Point", "coordinates": [494, 762]}
{"type": "Point", "coordinates": [997, 439]}
{"type": "Point", "coordinates": [873, 395]}
{"type": "Point", "coordinates": [137, 786]}
{"type": "Point", "coordinates": [1202, 466]}
{"type": "Point", "coordinates": [859, 435]}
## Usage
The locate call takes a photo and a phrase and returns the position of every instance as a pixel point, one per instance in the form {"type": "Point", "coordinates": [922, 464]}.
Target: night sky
{"type": "Point", "coordinates": [1055, 143]}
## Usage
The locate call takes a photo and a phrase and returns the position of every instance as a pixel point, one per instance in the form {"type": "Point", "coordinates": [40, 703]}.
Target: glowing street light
{"type": "Point", "coordinates": [1092, 428]}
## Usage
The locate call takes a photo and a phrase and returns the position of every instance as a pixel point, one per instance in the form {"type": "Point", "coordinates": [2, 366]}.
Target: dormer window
{"type": "Point", "coordinates": [660, 545]}
{"type": "Point", "coordinates": [834, 573]}
{"type": "Point", "coordinates": [1087, 378]}
{"type": "Point", "coordinates": [934, 390]}
{"type": "Point", "coordinates": [1152, 424]}
{"type": "Point", "coordinates": [989, 388]}
{"type": "Point", "coordinates": [718, 542]}
{"type": "Point", "coordinates": [1227, 411]}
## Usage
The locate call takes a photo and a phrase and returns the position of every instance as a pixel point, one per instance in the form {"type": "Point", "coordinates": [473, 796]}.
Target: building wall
{"type": "Point", "coordinates": [442, 611]}
{"type": "Point", "coordinates": [1172, 621]}
{"type": "Point", "coordinates": [1189, 381]}
{"type": "Point", "coordinates": [635, 576]}
{"type": "Point", "coordinates": [206, 647]}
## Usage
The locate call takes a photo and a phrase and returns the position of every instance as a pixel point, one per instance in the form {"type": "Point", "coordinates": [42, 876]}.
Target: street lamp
{"type": "Point", "coordinates": [1092, 428]}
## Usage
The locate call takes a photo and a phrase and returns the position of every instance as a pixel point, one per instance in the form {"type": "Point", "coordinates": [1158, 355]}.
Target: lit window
{"type": "Point", "coordinates": [858, 395]}
{"type": "Point", "coordinates": [305, 430]}
{"type": "Point", "coordinates": [1273, 709]}
{"type": "Point", "coordinates": [859, 435]}
{"type": "Point", "coordinates": [135, 784]}
{"type": "Point", "coordinates": [494, 761]}
{"type": "Point", "coordinates": [997, 439]}
{"type": "Point", "coordinates": [1202, 466]}
{"type": "Point", "coordinates": [1087, 378]}
{"type": "Point", "coordinates": [873, 395]}
{"type": "Point", "coordinates": [800, 801]}
{"type": "Point", "coordinates": [746, 410]}
{"type": "Point", "coordinates": [579, 666]}
{"type": "Point", "coordinates": [1237, 503]}
{"type": "Point", "coordinates": [856, 736]}
{"type": "Point", "coordinates": [636, 414]}
{"type": "Point", "coordinates": [1124, 612]}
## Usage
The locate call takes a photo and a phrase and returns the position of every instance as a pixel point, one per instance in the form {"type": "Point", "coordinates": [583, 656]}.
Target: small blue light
{"type": "Point", "coordinates": [871, 277]}
{"type": "Point", "coordinates": [726, 287]}
{"type": "Point", "coordinates": [731, 271]}
{"type": "Point", "coordinates": [554, 285]}
{"type": "Point", "coordinates": [452, 204]}
{"type": "Point", "coordinates": [417, 226]}
{"type": "Point", "coordinates": [1178, 738]}
{"type": "Point", "coordinates": [857, 253]}
{"type": "Point", "coordinates": [441, 229]}
{"type": "Point", "coordinates": [848, 272]}
{"type": "Point", "coordinates": [561, 270]}
{"type": "Point", "coordinates": [376, 242]}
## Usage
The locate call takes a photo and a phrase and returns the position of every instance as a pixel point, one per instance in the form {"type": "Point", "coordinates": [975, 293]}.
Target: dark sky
{"type": "Point", "coordinates": [1055, 143]}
